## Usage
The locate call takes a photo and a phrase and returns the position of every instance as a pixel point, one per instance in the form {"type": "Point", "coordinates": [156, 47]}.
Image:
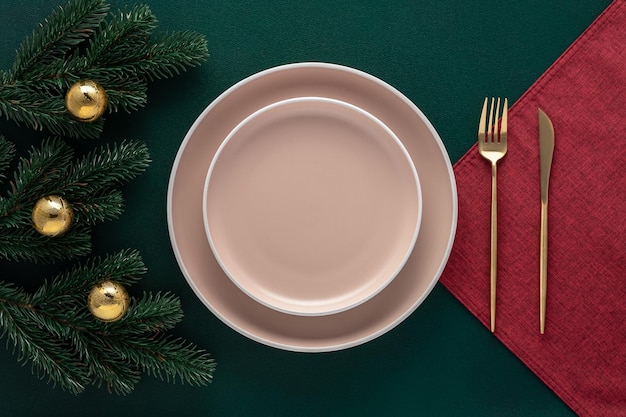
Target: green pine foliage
{"type": "Point", "coordinates": [7, 150]}
{"type": "Point", "coordinates": [84, 40]}
{"type": "Point", "coordinates": [91, 184]}
{"type": "Point", "coordinates": [53, 331]}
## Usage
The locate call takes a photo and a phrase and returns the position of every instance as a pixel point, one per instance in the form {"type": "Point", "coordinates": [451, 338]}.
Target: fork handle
{"type": "Point", "coordinates": [493, 270]}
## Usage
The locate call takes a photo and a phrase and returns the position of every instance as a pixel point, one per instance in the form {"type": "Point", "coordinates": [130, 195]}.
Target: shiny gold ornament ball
{"type": "Point", "coordinates": [52, 216]}
{"type": "Point", "coordinates": [108, 301]}
{"type": "Point", "coordinates": [86, 100]}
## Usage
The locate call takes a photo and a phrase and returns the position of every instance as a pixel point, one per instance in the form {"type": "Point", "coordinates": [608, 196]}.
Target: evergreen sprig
{"type": "Point", "coordinates": [63, 30]}
{"type": "Point", "coordinates": [53, 331]}
{"type": "Point", "coordinates": [7, 151]}
{"type": "Point", "coordinates": [89, 183]}
{"type": "Point", "coordinates": [83, 40]}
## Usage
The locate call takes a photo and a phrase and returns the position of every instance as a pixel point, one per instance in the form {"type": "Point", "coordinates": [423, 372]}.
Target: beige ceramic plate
{"type": "Point", "coordinates": [312, 333]}
{"type": "Point", "coordinates": [311, 206]}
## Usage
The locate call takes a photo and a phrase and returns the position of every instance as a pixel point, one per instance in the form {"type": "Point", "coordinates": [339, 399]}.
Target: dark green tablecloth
{"type": "Point", "coordinates": [445, 56]}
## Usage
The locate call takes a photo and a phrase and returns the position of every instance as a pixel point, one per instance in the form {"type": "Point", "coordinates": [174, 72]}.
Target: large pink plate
{"type": "Point", "coordinates": [312, 333]}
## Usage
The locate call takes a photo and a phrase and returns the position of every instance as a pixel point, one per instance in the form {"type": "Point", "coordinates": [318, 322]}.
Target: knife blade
{"type": "Point", "coordinates": [546, 151]}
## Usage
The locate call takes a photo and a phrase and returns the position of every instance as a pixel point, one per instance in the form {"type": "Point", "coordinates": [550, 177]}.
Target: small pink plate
{"type": "Point", "coordinates": [400, 297]}
{"type": "Point", "coordinates": [311, 206]}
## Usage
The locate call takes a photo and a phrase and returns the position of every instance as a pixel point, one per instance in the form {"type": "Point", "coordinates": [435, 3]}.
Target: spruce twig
{"type": "Point", "coordinates": [83, 40]}
{"type": "Point", "coordinates": [7, 151]}
{"type": "Point", "coordinates": [90, 183]}
{"type": "Point", "coordinates": [39, 105]}
{"type": "Point", "coordinates": [25, 244]}
{"type": "Point", "coordinates": [52, 330]}
{"type": "Point", "coordinates": [55, 37]}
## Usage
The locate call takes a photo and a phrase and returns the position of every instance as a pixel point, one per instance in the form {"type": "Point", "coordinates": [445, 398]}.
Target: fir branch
{"type": "Point", "coordinates": [62, 31]}
{"type": "Point", "coordinates": [158, 58]}
{"type": "Point", "coordinates": [83, 41]}
{"type": "Point", "coordinates": [170, 55]}
{"type": "Point", "coordinates": [90, 184]}
{"type": "Point", "coordinates": [91, 180]}
{"type": "Point", "coordinates": [99, 207]}
{"type": "Point", "coordinates": [33, 344]}
{"type": "Point", "coordinates": [125, 267]}
{"type": "Point", "coordinates": [109, 368]}
{"type": "Point", "coordinates": [124, 93]}
{"type": "Point", "coordinates": [53, 330]}
{"type": "Point", "coordinates": [7, 151]}
{"type": "Point", "coordinates": [40, 105]}
{"type": "Point", "coordinates": [51, 169]}
{"type": "Point", "coordinates": [45, 165]}
{"type": "Point", "coordinates": [105, 167]}
{"type": "Point", "coordinates": [152, 313]}
{"type": "Point", "coordinates": [25, 244]}
{"type": "Point", "coordinates": [170, 359]}
{"type": "Point", "coordinates": [132, 51]}
{"type": "Point", "coordinates": [121, 37]}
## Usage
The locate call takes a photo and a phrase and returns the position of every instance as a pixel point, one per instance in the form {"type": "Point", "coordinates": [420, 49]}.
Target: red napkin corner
{"type": "Point", "coordinates": [582, 355]}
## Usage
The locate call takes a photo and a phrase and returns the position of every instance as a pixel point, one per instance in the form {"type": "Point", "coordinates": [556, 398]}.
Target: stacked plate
{"type": "Point", "coordinates": [312, 207]}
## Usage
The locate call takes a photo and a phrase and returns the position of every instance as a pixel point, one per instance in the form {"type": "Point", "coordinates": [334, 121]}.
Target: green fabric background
{"type": "Point", "coordinates": [445, 55]}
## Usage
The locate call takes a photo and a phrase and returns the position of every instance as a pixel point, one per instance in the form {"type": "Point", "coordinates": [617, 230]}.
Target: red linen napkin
{"type": "Point", "coordinates": [582, 355]}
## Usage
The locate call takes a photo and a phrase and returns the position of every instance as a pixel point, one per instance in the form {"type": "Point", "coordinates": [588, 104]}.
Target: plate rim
{"type": "Point", "coordinates": [414, 305]}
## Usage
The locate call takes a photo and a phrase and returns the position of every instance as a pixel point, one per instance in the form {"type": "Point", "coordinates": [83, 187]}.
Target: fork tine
{"type": "Point", "coordinates": [496, 131]}
{"type": "Point", "coordinates": [503, 124]}
{"type": "Point", "coordinates": [490, 125]}
{"type": "Point", "coordinates": [483, 122]}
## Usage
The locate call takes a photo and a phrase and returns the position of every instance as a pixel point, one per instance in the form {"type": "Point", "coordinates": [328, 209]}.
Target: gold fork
{"type": "Point", "coordinates": [492, 146]}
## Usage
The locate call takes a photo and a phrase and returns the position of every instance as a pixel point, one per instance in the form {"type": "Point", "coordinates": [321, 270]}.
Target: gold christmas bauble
{"type": "Point", "coordinates": [52, 216]}
{"type": "Point", "coordinates": [108, 301]}
{"type": "Point", "coordinates": [86, 100]}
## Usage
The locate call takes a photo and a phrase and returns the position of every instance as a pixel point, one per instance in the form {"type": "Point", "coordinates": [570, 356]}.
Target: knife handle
{"type": "Point", "coordinates": [543, 265]}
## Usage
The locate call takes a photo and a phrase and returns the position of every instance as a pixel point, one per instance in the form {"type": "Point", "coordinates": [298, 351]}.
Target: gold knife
{"type": "Point", "coordinates": [546, 150]}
